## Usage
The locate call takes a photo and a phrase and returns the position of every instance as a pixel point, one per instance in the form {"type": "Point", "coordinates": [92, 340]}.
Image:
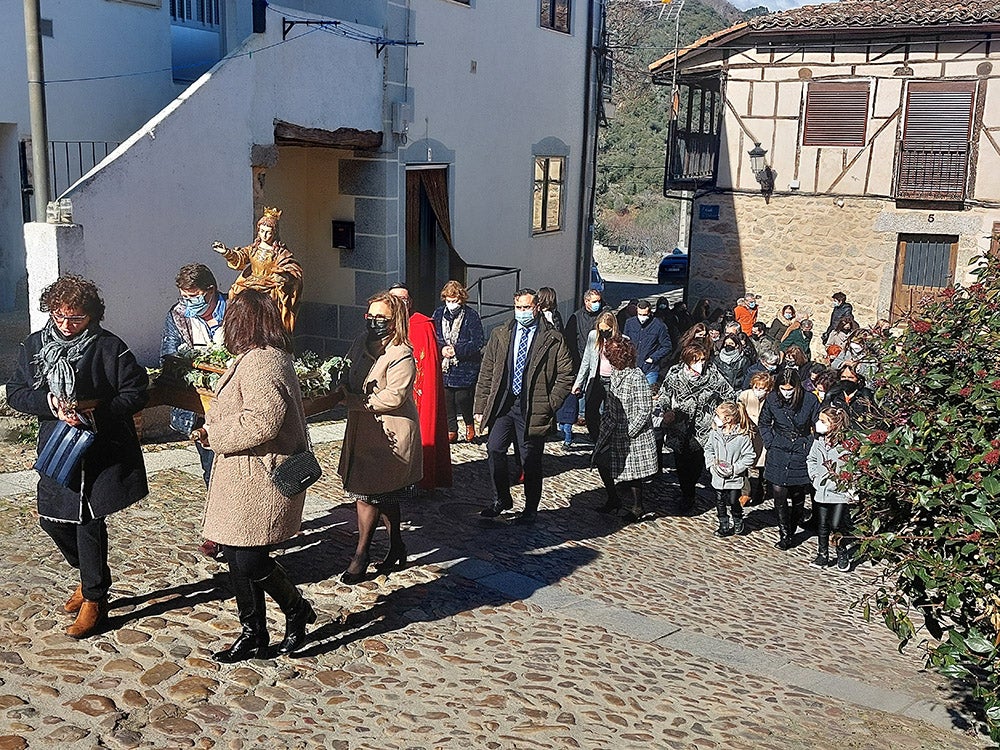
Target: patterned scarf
{"type": "Point", "coordinates": [54, 361]}
{"type": "Point", "coordinates": [450, 329]}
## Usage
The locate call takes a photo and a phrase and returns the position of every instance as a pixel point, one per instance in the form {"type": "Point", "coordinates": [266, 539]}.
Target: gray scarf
{"type": "Point", "coordinates": [449, 332]}
{"type": "Point", "coordinates": [54, 361]}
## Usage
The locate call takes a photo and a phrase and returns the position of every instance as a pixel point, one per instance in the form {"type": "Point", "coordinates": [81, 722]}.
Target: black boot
{"type": "Point", "coordinates": [298, 612]}
{"type": "Point", "coordinates": [739, 528]}
{"type": "Point", "coordinates": [637, 510]}
{"type": "Point", "coordinates": [843, 555]}
{"type": "Point", "coordinates": [823, 536]}
{"type": "Point", "coordinates": [784, 536]}
{"type": "Point", "coordinates": [252, 641]}
{"type": "Point", "coordinates": [724, 529]}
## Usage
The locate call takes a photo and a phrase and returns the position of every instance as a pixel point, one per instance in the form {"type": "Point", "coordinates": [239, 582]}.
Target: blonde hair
{"type": "Point", "coordinates": [398, 316]}
{"type": "Point", "coordinates": [605, 317]}
{"type": "Point", "coordinates": [731, 411]}
{"type": "Point", "coordinates": [455, 289]}
{"type": "Point", "coordinates": [839, 421]}
{"type": "Point", "coordinates": [762, 379]}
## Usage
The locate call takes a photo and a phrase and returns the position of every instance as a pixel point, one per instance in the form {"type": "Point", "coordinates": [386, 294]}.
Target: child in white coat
{"type": "Point", "coordinates": [729, 454]}
{"type": "Point", "coordinates": [825, 462]}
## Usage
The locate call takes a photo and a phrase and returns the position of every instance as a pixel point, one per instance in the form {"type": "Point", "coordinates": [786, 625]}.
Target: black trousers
{"type": "Point", "coordinates": [690, 465]}
{"type": "Point", "coordinates": [458, 401]}
{"type": "Point", "coordinates": [728, 501]}
{"type": "Point", "coordinates": [509, 428]}
{"type": "Point", "coordinates": [85, 547]}
{"type": "Point", "coordinates": [832, 517]}
{"type": "Point", "coordinates": [249, 563]}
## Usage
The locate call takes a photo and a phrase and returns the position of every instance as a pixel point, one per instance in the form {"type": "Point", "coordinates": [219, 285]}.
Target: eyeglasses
{"type": "Point", "coordinates": [375, 317]}
{"type": "Point", "coordinates": [59, 318]}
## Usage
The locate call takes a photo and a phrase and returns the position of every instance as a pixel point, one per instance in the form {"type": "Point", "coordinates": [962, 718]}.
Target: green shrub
{"type": "Point", "coordinates": [928, 480]}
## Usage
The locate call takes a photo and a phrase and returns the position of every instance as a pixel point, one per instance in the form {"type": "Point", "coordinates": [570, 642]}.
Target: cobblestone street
{"type": "Point", "coordinates": [574, 633]}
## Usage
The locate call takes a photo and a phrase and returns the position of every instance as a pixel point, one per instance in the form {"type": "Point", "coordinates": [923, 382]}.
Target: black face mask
{"type": "Point", "coordinates": [849, 387]}
{"type": "Point", "coordinates": [604, 334]}
{"type": "Point", "coordinates": [378, 329]}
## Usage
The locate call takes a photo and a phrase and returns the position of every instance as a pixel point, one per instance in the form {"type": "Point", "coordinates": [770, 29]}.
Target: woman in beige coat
{"type": "Point", "coordinates": [382, 457]}
{"type": "Point", "coordinates": [256, 422]}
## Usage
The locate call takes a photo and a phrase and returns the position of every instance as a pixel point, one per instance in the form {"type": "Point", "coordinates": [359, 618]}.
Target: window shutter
{"type": "Point", "coordinates": [836, 113]}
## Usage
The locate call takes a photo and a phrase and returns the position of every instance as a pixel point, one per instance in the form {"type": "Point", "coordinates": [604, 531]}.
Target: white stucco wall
{"type": "Point", "coordinates": [184, 179]}
{"type": "Point", "coordinates": [528, 85]}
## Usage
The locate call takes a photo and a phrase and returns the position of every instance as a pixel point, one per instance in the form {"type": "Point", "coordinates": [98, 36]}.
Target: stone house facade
{"type": "Point", "coordinates": [851, 146]}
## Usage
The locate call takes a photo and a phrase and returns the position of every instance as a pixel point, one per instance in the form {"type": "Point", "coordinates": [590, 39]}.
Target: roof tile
{"type": "Point", "coordinates": [881, 14]}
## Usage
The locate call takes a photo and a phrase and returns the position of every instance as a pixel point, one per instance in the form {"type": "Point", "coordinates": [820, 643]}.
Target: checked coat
{"type": "Point", "coordinates": [627, 426]}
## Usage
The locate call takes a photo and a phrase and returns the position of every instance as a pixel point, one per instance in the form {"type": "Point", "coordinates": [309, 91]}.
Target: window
{"type": "Point", "coordinates": [554, 14]}
{"type": "Point", "coordinates": [195, 12]}
{"type": "Point", "coordinates": [546, 213]}
{"type": "Point", "coordinates": [934, 154]}
{"type": "Point", "coordinates": [836, 114]}
{"type": "Point", "coordinates": [693, 140]}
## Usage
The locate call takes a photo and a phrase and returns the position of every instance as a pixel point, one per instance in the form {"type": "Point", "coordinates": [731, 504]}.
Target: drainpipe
{"type": "Point", "coordinates": [588, 161]}
{"type": "Point", "coordinates": [36, 107]}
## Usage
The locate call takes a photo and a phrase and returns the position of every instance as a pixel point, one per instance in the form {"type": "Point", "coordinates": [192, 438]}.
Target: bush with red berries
{"type": "Point", "coordinates": [928, 484]}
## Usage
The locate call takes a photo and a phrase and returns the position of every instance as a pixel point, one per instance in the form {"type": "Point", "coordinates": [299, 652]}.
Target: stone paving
{"type": "Point", "coordinates": [574, 633]}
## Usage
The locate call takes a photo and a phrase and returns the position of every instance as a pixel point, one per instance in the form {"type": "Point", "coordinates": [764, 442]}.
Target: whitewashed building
{"type": "Point", "coordinates": [445, 138]}
{"type": "Point", "coordinates": [875, 127]}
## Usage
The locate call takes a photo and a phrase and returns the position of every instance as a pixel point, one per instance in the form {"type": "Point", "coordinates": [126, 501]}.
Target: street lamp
{"type": "Point", "coordinates": [760, 169]}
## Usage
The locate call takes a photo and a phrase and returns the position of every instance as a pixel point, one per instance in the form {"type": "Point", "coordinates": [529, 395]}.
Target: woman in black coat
{"type": "Point", "coordinates": [786, 424]}
{"type": "Point", "coordinates": [75, 371]}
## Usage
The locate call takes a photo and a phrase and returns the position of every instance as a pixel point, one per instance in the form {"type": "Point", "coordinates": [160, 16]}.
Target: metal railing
{"type": "Point", "coordinates": [477, 290]}
{"type": "Point", "coordinates": [71, 160]}
{"type": "Point", "coordinates": [934, 172]}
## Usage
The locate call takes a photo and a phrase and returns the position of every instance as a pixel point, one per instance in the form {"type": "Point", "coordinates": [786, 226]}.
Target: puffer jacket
{"type": "Point", "coordinates": [548, 376]}
{"type": "Point", "coordinates": [734, 449]}
{"type": "Point", "coordinates": [787, 435]}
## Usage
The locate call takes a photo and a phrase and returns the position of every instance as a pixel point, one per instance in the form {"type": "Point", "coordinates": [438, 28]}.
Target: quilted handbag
{"type": "Point", "coordinates": [296, 473]}
{"type": "Point", "coordinates": [62, 453]}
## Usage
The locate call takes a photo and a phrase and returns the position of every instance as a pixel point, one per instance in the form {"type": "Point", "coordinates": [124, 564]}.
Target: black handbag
{"type": "Point", "coordinates": [296, 473]}
{"type": "Point", "coordinates": [62, 453]}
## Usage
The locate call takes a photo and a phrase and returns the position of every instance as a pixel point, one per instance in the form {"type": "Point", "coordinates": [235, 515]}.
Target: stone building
{"type": "Point", "coordinates": [851, 146]}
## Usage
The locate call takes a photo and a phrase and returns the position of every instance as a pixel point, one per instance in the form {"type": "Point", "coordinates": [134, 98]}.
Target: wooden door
{"type": "Point", "coordinates": [925, 267]}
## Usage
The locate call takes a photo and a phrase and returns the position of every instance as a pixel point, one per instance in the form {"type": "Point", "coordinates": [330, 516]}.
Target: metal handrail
{"type": "Point", "coordinates": [477, 286]}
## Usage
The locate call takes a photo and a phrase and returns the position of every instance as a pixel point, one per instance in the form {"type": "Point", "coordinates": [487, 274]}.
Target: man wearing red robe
{"type": "Point", "coordinates": [428, 392]}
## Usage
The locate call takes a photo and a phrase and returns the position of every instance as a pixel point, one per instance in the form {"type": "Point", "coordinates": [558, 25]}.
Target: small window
{"type": "Point", "coordinates": [836, 114]}
{"type": "Point", "coordinates": [195, 12]}
{"type": "Point", "coordinates": [547, 206]}
{"type": "Point", "coordinates": [554, 14]}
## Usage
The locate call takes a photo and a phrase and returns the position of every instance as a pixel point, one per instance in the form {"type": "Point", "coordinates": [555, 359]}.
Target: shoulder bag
{"type": "Point", "coordinates": [62, 453]}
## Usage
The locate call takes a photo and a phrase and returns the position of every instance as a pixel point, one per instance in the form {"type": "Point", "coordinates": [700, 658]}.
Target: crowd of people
{"type": "Point", "coordinates": [757, 412]}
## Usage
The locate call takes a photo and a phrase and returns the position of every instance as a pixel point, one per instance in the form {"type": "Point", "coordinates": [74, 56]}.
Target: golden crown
{"type": "Point", "coordinates": [271, 213]}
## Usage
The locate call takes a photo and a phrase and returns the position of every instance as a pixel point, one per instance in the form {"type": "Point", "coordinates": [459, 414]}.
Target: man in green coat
{"type": "Point", "coordinates": [526, 373]}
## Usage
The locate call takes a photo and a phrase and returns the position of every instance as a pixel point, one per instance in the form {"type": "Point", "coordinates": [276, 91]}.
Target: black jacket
{"type": "Point", "coordinates": [578, 327]}
{"type": "Point", "coordinates": [787, 434]}
{"type": "Point", "coordinates": [112, 475]}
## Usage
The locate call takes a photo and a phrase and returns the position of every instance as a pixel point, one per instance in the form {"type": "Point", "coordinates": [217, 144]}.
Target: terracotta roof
{"type": "Point", "coordinates": [852, 14]}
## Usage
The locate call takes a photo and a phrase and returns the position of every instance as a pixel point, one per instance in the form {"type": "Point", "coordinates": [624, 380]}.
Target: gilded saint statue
{"type": "Point", "coordinates": [268, 266]}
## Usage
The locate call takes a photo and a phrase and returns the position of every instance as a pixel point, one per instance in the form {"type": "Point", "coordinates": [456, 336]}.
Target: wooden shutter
{"type": "Point", "coordinates": [836, 113]}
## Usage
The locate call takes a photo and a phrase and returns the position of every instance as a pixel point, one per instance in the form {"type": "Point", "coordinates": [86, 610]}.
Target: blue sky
{"type": "Point", "coordinates": [775, 4]}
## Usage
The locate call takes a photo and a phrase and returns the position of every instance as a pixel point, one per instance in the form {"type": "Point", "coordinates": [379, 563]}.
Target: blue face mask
{"type": "Point", "coordinates": [594, 306]}
{"type": "Point", "coordinates": [751, 305]}
{"type": "Point", "coordinates": [195, 306]}
{"type": "Point", "coordinates": [525, 317]}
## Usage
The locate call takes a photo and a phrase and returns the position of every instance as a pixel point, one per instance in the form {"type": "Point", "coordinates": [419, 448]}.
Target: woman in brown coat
{"type": "Point", "coordinates": [256, 422]}
{"type": "Point", "coordinates": [382, 457]}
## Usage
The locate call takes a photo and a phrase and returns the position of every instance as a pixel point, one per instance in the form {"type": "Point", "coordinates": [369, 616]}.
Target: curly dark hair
{"type": "Point", "coordinates": [620, 352]}
{"type": "Point", "coordinates": [73, 291]}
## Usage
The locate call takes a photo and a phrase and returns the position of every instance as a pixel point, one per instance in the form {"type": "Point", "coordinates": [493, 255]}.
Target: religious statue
{"type": "Point", "coordinates": [268, 266]}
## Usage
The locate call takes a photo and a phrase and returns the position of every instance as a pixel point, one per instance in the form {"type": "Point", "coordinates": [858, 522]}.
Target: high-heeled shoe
{"type": "Point", "coordinates": [349, 578]}
{"type": "Point", "coordinates": [393, 561]}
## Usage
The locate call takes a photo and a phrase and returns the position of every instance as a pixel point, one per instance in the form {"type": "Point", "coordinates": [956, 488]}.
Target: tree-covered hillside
{"type": "Point", "coordinates": [630, 207]}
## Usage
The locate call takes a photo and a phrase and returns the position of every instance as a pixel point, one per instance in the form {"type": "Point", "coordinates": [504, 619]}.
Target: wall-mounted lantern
{"type": "Point", "coordinates": [763, 173]}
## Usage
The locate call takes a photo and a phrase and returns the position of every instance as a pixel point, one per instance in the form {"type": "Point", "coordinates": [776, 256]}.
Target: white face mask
{"type": "Point", "coordinates": [548, 315]}
{"type": "Point", "coordinates": [820, 394]}
{"type": "Point", "coordinates": [787, 393]}
{"type": "Point", "coordinates": [452, 306]}
{"type": "Point", "coordinates": [697, 368]}
{"type": "Point", "coordinates": [642, 318]}
{"type": "Point", "coordinates": [856, 348]}
{"type": "Point", "coordinates": [822, 428]}
{"type": "Point", "coordinates": [759, 394]}
{"type": "Point", "coordinates": [717, 420]}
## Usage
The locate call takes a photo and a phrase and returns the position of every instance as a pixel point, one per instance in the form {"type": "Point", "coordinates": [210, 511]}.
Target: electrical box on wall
{"type": "Point", "coordinates": [343, 235]}
{"type": "Point", "coordinates": [402, 116]}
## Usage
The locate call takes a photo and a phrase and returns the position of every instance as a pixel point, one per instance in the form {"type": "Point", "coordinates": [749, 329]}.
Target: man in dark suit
{"type": "Point", "coordinates": [526, 373]}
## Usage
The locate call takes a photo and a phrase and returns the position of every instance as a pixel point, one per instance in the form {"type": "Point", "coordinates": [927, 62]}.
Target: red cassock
{"type": "Point", "coordinates": [428, 392]}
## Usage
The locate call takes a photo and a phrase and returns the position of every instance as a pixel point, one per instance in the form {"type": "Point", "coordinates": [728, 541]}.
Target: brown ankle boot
{"type": "Point", "coordinates": [91, 616]}
{"type": "Point", "coordinates": [73, 604]}
{"type": "Point", "coordinates": [470, 432]}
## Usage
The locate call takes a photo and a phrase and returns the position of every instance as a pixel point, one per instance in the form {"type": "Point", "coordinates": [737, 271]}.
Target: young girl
{"type": "Point", "coordinates": [729, 454]}
{"type": "Point", "coordinates": [825, 462]}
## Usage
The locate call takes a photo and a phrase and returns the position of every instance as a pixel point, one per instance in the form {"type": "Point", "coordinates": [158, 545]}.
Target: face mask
{"type": "Point", "coordinates": [378, 328]}
{"type": "Point", "coordinates": [548, 315]}
{"type": "Point", "coordinates": [787, 393]}
{"type": "Point", "coordinates": [751, 305]}
{"type": "Point", "coordinates": [820, 394]}
{"type": "Point", "coordinates": [525, 317]}
{"type": "Point", "coordinates": [642, 319]}
{"type": "Point", "coordinates": [836, 303]}
{"type": "Point", "coordinates": [452, 306]}
{"type": "Point", "coordinates": [594, 306]}
{"type": "Point", "coordinates": [856, 348]}
{"type": "Point", "coordinates": [771, 368]}
{"type": "Point", "coordinates": [699, 335]}
{"type": "Point", "coordinates": [730, 346]}
{"type": "Point", "coordinates": [195, 306]}
{"type": "Point", "coordinates": [789, 316]}
{"type": "Point", "coordinates": [603, 333]}
{"type": "Point", "coordinates": [849, 387]}
{"type": "Point", "coordinates": [697, 368]}
{"type": "Point", "coordinates": [759, 394]}
{"type": "Point", "coordinates": [822, 428]}
{"type": "Point", "coordinates": [717, 420]}
{"type": "Point", "coordinates": [714, 336]}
